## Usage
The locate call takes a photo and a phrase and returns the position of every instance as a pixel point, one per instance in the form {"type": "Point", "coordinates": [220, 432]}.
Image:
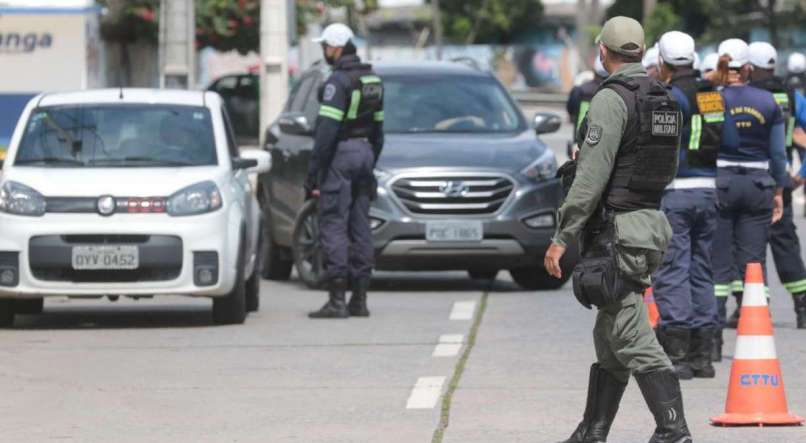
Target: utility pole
{"type": "Point", "coordinates": [581, 35]}
{"type": "Point", "coordinates": [649, 6]}
{"type": "Point", "coordinates": [177, 44]}
{"type": "Point", "coordinates": [274, 59]}
{"type": "Point", "coordinates": [436, 14]}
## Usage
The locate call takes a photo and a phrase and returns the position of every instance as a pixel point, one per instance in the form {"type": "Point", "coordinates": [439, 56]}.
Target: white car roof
{"type": "Point", "coordinates": [129, 96]}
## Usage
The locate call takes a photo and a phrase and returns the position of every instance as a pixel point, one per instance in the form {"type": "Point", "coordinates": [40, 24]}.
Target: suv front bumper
{"type": "Point", "coordinates": [508, 243]}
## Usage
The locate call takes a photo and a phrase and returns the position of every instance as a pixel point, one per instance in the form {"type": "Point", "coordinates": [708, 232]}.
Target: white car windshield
{"type": "Point", "coordinates": [118, 136]}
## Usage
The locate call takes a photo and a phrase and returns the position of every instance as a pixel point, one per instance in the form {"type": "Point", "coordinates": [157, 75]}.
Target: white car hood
{"type": "Point", "coordinates": [122, 182]}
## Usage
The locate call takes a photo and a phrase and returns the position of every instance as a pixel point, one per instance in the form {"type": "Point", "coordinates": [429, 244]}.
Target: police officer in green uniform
{"type": "Point", "coordinates": [628, 156]}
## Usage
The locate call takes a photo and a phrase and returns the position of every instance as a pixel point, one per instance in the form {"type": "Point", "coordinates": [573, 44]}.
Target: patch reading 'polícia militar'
{"type": "Point", "coordinates": [594, 135]}
{"type": "Point", "coordinates": [665, 123]}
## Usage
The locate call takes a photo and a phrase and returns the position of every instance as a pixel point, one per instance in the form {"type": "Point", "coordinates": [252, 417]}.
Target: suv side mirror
{"type": "Point", "coordinates": [295, 123]}
{"type": "Point", "coordinates": [547, 122]}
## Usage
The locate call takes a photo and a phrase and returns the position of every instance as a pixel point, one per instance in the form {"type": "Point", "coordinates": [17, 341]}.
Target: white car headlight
{"type": "Point", "coordinates": [18, 199]}
{"type": "Point", "coordinates": [544, 168]}
{"type": "Point", "coordinates": [195, 199]}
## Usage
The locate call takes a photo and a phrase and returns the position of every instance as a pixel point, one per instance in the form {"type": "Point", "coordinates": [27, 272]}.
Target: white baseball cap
{"type": "Point", "coordinates": [796, 63]}
{"type": "Point", "coordinates": [599, 68]}
{"type": "Point", "coordinates": [677, 48]}
{"type": "Point", "coordinates": [651, 57]}
{"type": "Point", "coordinates": [336, 35]}
{"type": "Point", "coordinates": [737, 50]}
{"type": "Point", "coordinates": [763, 55]}
{"type": "Point", "coordinates": [709, 62]}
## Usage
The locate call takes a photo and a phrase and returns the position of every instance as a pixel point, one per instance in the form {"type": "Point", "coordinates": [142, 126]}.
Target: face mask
{"type": "Point", "coordinates": [602, 59]}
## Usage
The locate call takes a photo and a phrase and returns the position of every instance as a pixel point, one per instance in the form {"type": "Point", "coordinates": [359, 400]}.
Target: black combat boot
{"type": "Point", "coordinates": [676, 344]}
{"type": "Point", "coordinates": [733, 321]}
{"type": "Point", "coordinates": [699, 353]}
{"type": "Point", "coordinates": [661, 391]}
{"type": "Point", "coordinates": [604, 396]}
{"type": "Point", "coordinates": [800, 309]}
{"type": "Point", "coordinates": [358, 301]}
{"type": "Point", "coordinates": [716, 348]}
{"type": "Point", "coordinates": [335, 306]}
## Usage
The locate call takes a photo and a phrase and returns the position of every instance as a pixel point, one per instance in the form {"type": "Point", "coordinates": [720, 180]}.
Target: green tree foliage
{"type": "Point", "coordinates": [662, 19]}
{"type": "Point", "coordinates": [489, 21]}
{"type": "Point", "coordinates": [130, 20]}
{"type": "Point", "coordinates": [228, 25]}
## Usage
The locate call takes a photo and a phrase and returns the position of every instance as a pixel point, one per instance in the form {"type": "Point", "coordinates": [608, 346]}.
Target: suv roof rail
{"type": "Point", "coordinates": [468, 61]}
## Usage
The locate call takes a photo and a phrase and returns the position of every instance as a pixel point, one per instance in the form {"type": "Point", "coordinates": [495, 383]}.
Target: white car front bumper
{"type": "Point", "coordinates": [166, 244]}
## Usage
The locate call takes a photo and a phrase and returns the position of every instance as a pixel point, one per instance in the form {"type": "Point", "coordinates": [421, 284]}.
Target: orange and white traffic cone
{"type": "Point", "coordinates": [651, 307]}
{"type": "Point", "coordinates": [756, 391]}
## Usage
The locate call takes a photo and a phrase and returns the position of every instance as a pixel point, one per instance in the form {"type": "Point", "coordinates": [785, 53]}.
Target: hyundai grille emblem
{"type": "Point", "coordinates": [454, 189]}
{"type": "Point", "coordinates": [106, 205]}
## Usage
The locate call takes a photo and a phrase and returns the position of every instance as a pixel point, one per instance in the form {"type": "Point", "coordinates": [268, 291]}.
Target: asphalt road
{"type": "Point", "coordinates": [442, 358]}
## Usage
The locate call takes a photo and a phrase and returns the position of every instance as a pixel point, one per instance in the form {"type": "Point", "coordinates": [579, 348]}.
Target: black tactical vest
{"type": "Point", "coordinates": [707, 118]}
{"type": "Point", "coordinates": [365, 102]}
{"type": "Point", "coordinates": [785, 98]}
{"type": "Point", "coordinates": [647, 159]}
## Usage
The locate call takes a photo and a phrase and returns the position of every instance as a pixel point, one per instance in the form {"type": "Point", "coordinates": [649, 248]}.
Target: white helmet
{"type": "Point", "coordinates": [763, 55]}
{"type": "Point", "coordinates": [709, 62]}
{"type": "Point", "coordinates": [651, 57]}
{"type": "Point", "coordinates": [336, 35]}
{"type": "Point", "coordinates": [738, 51]}
{"type": "Point", "coordinates": [796, 64]}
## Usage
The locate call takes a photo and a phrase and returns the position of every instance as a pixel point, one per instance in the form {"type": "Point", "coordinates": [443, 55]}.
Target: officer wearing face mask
{"type": "Point", "coordinates": [348, 141]}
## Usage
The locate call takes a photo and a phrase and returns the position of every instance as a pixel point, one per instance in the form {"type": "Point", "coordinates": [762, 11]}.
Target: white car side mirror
{"type": "Point", "coordinates": [262, 158]}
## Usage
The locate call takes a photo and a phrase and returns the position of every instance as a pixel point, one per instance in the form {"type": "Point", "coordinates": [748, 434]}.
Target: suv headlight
{"type": "Point", "coordinates": [544, 168]}
{"type": "Point", "coordinates": [195, 199]}
{"type": "Point", "coordinates": [18, 199]}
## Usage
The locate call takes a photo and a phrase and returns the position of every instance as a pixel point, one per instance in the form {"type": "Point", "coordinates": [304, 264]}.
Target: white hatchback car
{"type": "Point", "coordinates": [129, 192]}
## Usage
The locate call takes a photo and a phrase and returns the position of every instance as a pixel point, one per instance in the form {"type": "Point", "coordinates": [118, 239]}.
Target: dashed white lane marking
{"type": "Point", "coordinates": [426, 393]}
{"type": "Point", "coordinates": [463, 310]}
{"type": "Point", "coordinates": [449, 345]}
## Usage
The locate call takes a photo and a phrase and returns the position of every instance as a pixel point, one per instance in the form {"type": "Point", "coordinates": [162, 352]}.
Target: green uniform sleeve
{"type": "Point", "coordinates": [607, 118]}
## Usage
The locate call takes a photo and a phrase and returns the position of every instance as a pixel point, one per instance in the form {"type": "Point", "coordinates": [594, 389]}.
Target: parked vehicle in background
{"type": "Point", "coordinates": [241, 95]}
{"type": "Point", "coordinates": [464, 183]}
{"type": "Point", "coordinates": [129, 192]}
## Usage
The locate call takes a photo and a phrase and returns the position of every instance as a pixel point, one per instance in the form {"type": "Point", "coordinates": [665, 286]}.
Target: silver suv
{"type": "Point", "coordinates": [464, 183]}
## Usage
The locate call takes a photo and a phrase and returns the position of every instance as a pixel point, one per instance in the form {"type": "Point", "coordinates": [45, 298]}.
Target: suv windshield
{"type": "Point", "coordinates": [447, 104]}
{"type": "Point", "coordinates": [118, 136]}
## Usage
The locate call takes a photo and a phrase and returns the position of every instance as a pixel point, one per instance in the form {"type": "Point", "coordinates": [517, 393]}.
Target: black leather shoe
{"type": "Point", "coordinates": [358, 301]}
{"type": "Point", "coordinates": [699, 353]}
{"type": "Point", "coordinates": [676, 343]}
{"type": "Point", "coordinates": [661, 390]}
{"type": "Point", "coordinates": [604, 397]}
{"type": "Point", "coordinates": [335, 306]}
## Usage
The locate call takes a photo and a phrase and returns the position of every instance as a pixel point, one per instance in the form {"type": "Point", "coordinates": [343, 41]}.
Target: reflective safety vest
{"type": "Point", "coordinates": [707, 118]}
{"type": "Point", "coordinates": [366, 103]}
{"type": "Point", "coordinates": [785, 98]}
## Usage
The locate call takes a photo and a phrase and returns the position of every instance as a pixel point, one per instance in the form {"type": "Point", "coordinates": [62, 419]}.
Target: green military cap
{"type": "Point", "coordinates": [623, 35]}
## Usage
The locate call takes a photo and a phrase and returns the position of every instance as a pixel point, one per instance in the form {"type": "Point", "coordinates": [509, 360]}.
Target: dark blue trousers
{"type": "Point", "coordinates": [786, 253]}
{"type": "Point", "coordinates": [684, 285]}
{"type": "Point", "coordinates": [745, 213]}
{"type": "Point", "coordinates": [344, 226]}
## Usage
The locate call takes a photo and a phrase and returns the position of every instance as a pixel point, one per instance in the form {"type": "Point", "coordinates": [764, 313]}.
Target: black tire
{"type": "Point", "coordinates": [231, 309]}
{"type": "Point", "coordinates": [482, 274]}
{"type": "Point", "coordinates": [306, 247]}
{"type": "Point", "coordinates": [276, 264]}
{"type": "Point", "coordinates": [6, 313]}
{"type": "Point", "coordinates": [29, 306]}
{"type": "Point", "coordinates": [253, 283]}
